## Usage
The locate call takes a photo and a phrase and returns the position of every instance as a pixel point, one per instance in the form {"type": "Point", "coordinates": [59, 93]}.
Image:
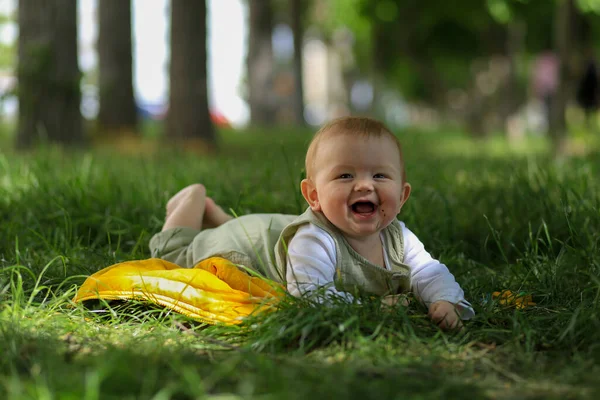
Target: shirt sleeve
{"type": "Point", "coordinates": [311, 264]}
{"type": "Point", "coordinates": [431, 280]}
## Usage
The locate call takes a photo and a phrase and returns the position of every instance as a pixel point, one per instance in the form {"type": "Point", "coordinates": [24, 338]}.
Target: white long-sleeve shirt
{"type": "Point", "coordinates": [312, 260]}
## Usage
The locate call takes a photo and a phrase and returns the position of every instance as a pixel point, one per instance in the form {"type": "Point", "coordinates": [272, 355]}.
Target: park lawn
{"type": "Point", "coordinates": [500, 216]}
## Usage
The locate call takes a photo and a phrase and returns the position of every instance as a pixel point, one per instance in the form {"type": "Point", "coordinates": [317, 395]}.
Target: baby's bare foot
{"type": "Point", "coordinates": [214, 215]}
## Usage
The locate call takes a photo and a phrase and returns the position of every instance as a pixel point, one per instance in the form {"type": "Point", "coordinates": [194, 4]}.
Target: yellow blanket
{"type": "Point", "coordinates": [214, 291]}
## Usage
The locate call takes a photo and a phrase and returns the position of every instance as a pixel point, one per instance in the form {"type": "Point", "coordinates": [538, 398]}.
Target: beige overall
{"type": "Point", "coordinates": [259, 241]}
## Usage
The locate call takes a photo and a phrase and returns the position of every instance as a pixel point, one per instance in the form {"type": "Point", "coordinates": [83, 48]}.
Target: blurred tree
{"type": "Point", "coordinates": [7, 56]}
{"type": "Point", "coordinates": [260, 63]}
{"type": "Point", "coordinates": [422, 49]}
{"type": "Point", "coordinates": [297, 8]}
{"type": "Point", "coordinates": [437, 51]}
{"type": "Point", "coordinates": [563, 41]}
{"type": "Point", "coordinates": [117, 112]}
{"type": "Point", "coordinates": [48, 73]}
{"type": "Point", "coordinates": [434, 41]}
{"type": "Point", "coordinates": [7, 51]}
{"type": "Point", "coordinates": [188, 118]}
{"type": "Point", "coordinates": [564, 28]}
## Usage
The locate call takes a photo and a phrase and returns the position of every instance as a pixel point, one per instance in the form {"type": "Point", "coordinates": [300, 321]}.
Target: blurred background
{"type": "Point", "coordinates": [78, 72]}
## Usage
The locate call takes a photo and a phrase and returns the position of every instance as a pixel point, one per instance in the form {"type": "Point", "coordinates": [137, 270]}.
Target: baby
{"type": "Point", "coordinates": [348, 241]}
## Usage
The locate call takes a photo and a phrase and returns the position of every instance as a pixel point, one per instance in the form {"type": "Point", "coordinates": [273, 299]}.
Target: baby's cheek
{"type": "Point", "coordinates": [386, 215]}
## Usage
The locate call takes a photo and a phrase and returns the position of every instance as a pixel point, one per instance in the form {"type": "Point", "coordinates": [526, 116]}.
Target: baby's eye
{"type": "Point", "coordinates": [345, 176]}
{"type": "Point", "coordinates": [379, 176]}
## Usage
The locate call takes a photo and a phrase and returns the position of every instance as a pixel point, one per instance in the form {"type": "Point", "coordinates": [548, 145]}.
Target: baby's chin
{"type": "Point", "coordinates": [361, 232]}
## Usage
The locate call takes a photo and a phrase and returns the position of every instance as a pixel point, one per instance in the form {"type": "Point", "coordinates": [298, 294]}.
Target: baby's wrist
{"type": "Point", "coordinates": [438, 302]}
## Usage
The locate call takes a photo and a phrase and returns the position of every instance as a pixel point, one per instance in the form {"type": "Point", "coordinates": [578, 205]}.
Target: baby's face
{"type": "Point", "coordinates": [358, 184]}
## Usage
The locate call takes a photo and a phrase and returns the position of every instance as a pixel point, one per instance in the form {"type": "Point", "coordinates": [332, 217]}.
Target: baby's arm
{"type": "Point", "coordinates": [311, 263]}
{"type": "Point", "coordinates": [431, 281]}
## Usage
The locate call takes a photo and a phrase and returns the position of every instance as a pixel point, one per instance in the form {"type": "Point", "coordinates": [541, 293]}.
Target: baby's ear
{"type": "Point", "coordinates": [309, 191]}
{"type": "Point", "coordinates": [404, 195]}
{"type": "Point", "coordinates": [406, 189]}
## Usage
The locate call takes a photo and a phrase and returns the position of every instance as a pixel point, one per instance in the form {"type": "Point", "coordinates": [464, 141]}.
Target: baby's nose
{"type": "Point", "coordinates": [363, 185]}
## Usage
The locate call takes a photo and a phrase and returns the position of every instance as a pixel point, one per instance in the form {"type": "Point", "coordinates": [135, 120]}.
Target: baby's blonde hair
{"type": "Point", "coordinates": [359, 127]}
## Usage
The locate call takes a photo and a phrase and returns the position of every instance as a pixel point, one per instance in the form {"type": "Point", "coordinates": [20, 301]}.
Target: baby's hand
{"type": "Point", "coordinates": [393, 300]}
{"type": "Point", "coordinates": [445, 315]}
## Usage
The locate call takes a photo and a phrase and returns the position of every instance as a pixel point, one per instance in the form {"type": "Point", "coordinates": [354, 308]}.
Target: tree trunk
{"type": "Point", "coordinates": [512, 96]}
{"type": "Point", "coordinates": [48, 74]}
{"type": "Point", "coordinates": [298, 30]}
{"type": "Point", "coordinates": [376, 70]}
{"type": "Point", "coordinates": [562, 41]}
{"type": "Point", "coordinates": [117, 105]}
{"type": "Point", "coordinates": [260, 63]}
{"type": "Point", "coordinates": [188, 118]}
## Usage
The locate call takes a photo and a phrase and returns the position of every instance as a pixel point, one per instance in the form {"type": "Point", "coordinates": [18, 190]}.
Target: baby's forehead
{"type": "Point", "coordinates": [348, 151]}
{"type": "Point", "coordinates": [341, 138]}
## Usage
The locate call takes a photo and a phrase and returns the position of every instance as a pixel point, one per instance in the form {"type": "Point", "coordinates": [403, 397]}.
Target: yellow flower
{"type": "Point", "coordinates": [508, 298]}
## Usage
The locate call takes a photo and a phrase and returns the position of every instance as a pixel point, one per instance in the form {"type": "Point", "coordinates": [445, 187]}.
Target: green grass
{"type": "Point", "coordinates": [500, 216]}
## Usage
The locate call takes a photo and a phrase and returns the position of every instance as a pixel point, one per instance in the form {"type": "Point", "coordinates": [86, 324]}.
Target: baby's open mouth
{"type": "Point", "coordinates": [363, 207]}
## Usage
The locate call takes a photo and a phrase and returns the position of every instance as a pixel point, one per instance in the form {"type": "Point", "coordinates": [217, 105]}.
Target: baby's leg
{"type": "Point", "coordinates": [186, 208]}
{"type": "Point", "coordinates": [214, 214]}
{"type": "Point", "coordinates": [191, 208]}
